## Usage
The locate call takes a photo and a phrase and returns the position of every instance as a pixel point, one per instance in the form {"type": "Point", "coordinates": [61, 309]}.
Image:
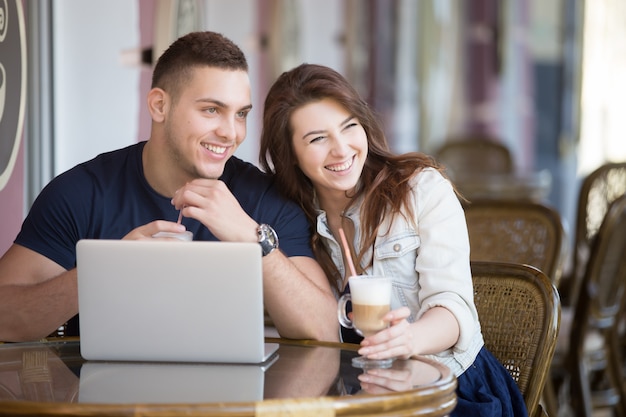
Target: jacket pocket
{"type": "Point", "coordinates": [395, 257]}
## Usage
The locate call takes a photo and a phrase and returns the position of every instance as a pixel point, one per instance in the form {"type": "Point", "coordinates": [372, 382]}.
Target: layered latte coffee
{"type": "Point", "coordinates": [370, 298]}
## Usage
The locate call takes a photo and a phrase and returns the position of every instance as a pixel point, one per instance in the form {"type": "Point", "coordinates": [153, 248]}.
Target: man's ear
{"type": "Point", "coordinates": [158, 104]}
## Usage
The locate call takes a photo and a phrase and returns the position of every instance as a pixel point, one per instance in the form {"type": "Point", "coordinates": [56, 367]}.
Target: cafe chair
{"type": "Point", "coordinates": [598, 190]}
{"type": "Point", "coordinates": [523, 232]}
{"type": "Point", "coordinates": [519, 312]}
{"type": "Point", "coordinates": [475, 155]}
{"type": "Point", "coordinates": [483, 167]}
{"type": "Point", "coordinates": [588, 361]}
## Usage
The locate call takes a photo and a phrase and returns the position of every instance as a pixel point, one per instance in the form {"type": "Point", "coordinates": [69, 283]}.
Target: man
{"type": "Point", "coordinates": [199, 102]}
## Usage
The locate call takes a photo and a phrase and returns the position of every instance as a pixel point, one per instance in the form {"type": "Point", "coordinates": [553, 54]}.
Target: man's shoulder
{"type": "Point", "coordinates": [239, 173]}
{"type": "Point", "coordinates": [237, 167]}
{"type": "Point", "coordinates": [115, 156]}
{"type": "Point", "coordinates": [255, 190]}
{"type": "Point", "coordinates": [105, 168]}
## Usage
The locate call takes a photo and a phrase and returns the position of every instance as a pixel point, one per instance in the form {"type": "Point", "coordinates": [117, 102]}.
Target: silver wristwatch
{"type": "Point", "coordinates": [267, 238]}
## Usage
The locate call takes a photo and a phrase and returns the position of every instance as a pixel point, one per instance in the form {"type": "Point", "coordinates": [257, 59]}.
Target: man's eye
{"type": "Point", "coordinates": [211, 110]}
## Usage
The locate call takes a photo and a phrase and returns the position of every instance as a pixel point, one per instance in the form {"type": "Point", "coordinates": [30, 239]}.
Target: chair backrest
{"type": "Point", "coordinates": [519, 312]}
{"type": "Point", "coordinates": [598, 190]}
{"type": "Point", "coordinates": [475, 155]}
{"type": "Point", "coordinates": [603, 286]}
{"type": "Point", "coordinates": [599, 310]}
{"type": "Point", "coordinates": [523, 232]}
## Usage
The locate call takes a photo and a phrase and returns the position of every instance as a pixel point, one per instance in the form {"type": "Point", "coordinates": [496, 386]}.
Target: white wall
{"type": "Point", "coordinates": [322, 24]}
{"type": "Point", "coordinates": [96, 98]}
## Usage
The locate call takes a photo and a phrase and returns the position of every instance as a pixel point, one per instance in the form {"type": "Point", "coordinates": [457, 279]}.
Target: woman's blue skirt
{"type": "Point", "coordinates": [486, 389]}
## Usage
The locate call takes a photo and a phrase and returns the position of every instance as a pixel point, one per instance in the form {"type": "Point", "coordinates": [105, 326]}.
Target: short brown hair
{"type": "Point", "coordinates": [195, 49]}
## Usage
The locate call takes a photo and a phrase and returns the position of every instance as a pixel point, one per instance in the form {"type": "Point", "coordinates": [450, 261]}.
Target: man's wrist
{"type": "Point", "coordinates": [267, 238]}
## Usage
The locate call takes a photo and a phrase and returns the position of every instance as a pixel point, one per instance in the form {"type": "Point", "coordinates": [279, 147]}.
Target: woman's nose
{"type": "Point", "coordinates": [340, 147]}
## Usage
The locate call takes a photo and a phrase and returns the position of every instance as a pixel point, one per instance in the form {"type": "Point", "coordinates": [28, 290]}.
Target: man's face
{"type": "Point", "coordinates": [207, 122]}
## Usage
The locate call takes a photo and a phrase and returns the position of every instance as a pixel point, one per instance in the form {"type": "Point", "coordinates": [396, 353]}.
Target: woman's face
{"type": "Point", "coordinates": [330, 145]}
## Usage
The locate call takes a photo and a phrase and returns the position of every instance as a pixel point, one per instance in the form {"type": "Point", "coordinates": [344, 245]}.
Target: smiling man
{"type": "Point", "coordinates": [199, 102]}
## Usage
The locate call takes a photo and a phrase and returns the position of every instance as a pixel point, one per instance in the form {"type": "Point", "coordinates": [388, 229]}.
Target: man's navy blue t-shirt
{"type": "Point", "coordinates": [107, 197]}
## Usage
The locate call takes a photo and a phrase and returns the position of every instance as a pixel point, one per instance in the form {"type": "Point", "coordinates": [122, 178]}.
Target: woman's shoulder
{"type": "Point", "coordinates": [427, 177]}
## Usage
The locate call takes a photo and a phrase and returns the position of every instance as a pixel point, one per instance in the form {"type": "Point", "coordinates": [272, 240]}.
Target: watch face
{"type": "Point", "coordinates": [267, 239]}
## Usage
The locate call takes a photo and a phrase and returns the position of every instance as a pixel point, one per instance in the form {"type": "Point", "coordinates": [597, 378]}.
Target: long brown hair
{"type": "Point", "coordinates": [384, 182]}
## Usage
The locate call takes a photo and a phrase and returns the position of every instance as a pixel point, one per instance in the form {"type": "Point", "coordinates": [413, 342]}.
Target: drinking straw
{"type": "Point", "coordinates": [346, 248]}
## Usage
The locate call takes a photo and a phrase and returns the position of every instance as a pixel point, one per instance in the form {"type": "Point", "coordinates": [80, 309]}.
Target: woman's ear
{"type": "Point", "coordinates": [157, 104]}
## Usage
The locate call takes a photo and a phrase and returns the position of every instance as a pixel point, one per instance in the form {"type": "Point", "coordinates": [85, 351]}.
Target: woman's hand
{"type": "Point", "coordinates": [396, 341]}
{"type": "Point", "coordinates": [435, 331]}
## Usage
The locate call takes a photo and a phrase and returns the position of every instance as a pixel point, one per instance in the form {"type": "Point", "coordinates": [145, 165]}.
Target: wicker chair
{"type": "Point", "coordinates": [598, 190]}
{"type": "Point", "coordinates": [476, 156]}
{"type": "Point", "coordinates": [589, 353]}
{"type": "Point", "coordinates": [519, 312]}
{"type": "Point", "coordinates": [522, 232]}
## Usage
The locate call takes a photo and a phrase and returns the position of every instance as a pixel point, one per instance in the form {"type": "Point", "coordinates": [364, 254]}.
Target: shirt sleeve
{"type": "Point", "coordinates": [53, 224]}
{"type": "Point", "coordinates": [291, 226]}
{"type": "Point", "coordinates": [442, 263]}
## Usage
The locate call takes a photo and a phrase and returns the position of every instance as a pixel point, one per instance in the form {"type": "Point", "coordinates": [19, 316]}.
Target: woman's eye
{"type": "Point", "coordinates": [316, 139]}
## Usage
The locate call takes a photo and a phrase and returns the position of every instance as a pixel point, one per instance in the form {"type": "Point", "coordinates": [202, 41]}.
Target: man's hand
{"type": "Point", "coordinates": [148, 230]}
{"type": "Point", "coordinates": [211, 203]}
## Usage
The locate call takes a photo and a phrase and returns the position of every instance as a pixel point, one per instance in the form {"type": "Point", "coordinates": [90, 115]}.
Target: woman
{"type": "Point", "coordinates": [403, 219]}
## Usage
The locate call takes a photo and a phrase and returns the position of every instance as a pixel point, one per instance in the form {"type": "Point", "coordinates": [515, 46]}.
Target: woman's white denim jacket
{"type": "Point", "coordinates": [428, 259]}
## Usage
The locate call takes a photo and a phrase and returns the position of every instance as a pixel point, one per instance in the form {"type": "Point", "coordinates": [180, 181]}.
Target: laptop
{"type": "Point", "coordinates": [150, 383]}
{"type": "Point", "coordinates": [165, 301]}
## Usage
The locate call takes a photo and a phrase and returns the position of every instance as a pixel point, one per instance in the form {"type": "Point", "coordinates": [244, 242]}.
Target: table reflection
{"type": "Point", "coordinates": [37, 375]}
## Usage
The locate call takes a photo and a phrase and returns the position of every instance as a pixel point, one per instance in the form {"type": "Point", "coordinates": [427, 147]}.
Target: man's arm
{"type": "Point", "coordinates": [302, 306]}
{"type": "Point", "coordinates": [36, 295]}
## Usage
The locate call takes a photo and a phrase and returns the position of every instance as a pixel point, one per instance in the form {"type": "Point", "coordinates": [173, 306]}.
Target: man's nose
{"type": "Point", "coordinates": [227, 129]}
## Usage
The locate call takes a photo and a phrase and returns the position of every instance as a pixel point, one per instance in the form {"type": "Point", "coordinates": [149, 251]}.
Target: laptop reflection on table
{"type": "Point", "coordinates": [144, 382]}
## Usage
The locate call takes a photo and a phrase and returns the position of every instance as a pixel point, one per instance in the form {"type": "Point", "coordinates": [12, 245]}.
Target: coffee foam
{"type": "Point", "coordinates": [370, 291]}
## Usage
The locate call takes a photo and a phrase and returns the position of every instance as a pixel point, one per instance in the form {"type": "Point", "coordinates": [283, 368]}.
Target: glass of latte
{"type": "Point", "coordinates": [370, 297]}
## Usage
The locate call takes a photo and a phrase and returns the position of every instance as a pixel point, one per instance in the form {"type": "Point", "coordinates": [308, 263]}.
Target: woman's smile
{"type": "Point", "coordinates": [340, 167]}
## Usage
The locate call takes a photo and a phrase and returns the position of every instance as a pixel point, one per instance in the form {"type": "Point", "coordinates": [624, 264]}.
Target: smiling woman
{"type": "Point", "coordinates": [328, 152]}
